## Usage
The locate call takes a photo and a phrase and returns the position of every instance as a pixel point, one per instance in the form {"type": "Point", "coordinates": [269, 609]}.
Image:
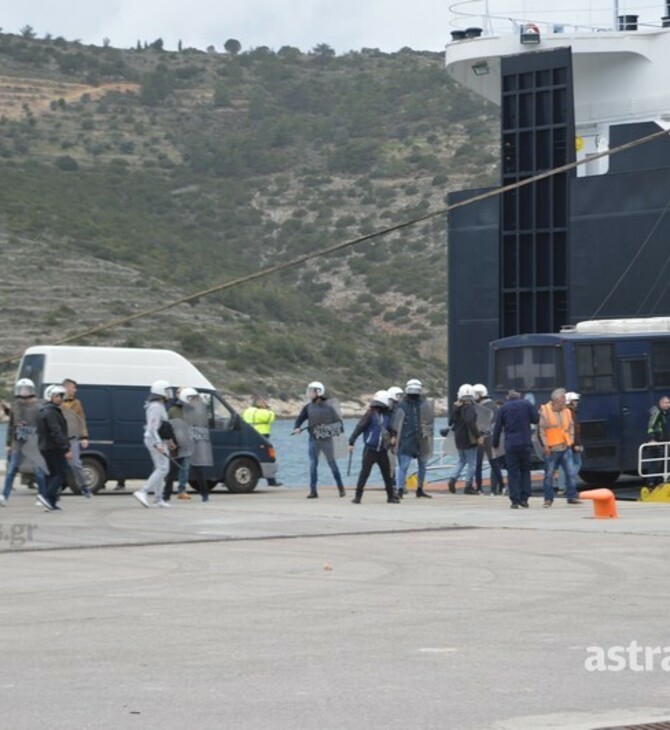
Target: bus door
{"type": "Point", "coordinates": [633, 364]}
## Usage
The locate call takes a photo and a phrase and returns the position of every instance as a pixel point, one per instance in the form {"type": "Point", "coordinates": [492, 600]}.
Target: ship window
{"type": "Point", "coordinates": [526, 80]}
{"type": "Point", "coordinates": [660, 358]}
{"type": "Point", "coordinates": [595, 368]}
{"type": "Point", "coordinates": [528, 368]}
{"type": "Point", "coordinates": [543, 78]}
{"type": "Point", "coordinates": [509, 83]}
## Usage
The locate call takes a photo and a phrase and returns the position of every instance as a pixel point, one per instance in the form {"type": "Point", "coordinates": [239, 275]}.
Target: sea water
{"type": "Point", "coordinates": [294, 463]}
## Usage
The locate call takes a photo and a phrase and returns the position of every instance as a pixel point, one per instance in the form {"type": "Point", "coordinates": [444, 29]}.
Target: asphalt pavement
{"type": "Point", "coordinates": [272, 611]}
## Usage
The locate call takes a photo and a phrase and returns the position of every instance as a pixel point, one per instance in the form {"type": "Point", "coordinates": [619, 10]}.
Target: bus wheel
{"type": "Point", "coordinates": [599, 478]}
{"type": "Point", "coordinates": [242, 475]}
{"type": "Point", "coordinates": [95, 474]}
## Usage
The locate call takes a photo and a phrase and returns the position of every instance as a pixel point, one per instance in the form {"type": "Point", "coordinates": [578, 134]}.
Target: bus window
{"type": "Point", "coordinates": [595, 368]}
{"type": "Point", "coordinates": [529, 368]}
{"type": "Point", "coordinates": [660, 361]}
{"type": "Point", "coordinates": [634, 375]}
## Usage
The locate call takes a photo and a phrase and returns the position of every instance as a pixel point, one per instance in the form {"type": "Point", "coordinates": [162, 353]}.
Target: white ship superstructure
{"type": "Point", "coordinates": [620, 73]}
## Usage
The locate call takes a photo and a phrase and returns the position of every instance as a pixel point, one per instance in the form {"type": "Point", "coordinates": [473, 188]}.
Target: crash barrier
{"type": "Point", "coordinates": [604, 503]}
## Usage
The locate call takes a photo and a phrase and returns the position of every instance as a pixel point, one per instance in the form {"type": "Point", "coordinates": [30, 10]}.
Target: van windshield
{"type": "Point", "coordinates": [32, 366]}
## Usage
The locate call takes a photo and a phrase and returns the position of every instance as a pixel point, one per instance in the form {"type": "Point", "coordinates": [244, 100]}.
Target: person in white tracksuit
{"type": "Point", "coordinates": [158, 447]}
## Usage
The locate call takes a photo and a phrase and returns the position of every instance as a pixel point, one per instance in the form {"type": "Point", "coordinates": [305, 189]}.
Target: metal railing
{"type": "Point", "coordinates": [653, 460]}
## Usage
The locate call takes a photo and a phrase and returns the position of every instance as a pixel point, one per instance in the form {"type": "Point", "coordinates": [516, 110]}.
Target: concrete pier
{"type": "Point", "coordinates": [272, 611]}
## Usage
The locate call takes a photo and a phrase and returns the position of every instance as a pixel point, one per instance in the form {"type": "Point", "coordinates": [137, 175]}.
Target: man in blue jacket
{"type": "Point", "coordinates": [515, 418]}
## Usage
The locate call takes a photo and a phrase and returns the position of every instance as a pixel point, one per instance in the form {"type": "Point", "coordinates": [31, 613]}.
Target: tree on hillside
{"type": "Point", "coordinates": [323, 50]}
{"type": "Point", "coordinates": [156, 86]}
{"type": "Point", "coordinates": [232, 46]}
{"type": "Point", "coordinates": [157, 45]}
{"type": "Point", "coordinates": [27, 31]}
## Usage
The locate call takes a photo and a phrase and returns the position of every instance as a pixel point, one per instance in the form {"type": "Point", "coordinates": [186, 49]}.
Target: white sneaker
{"type": "Point", "coordinates": [162, 503]}
{"type": "Point", "coordinates": [141, 497]}
{"type": "Point", "coordinates": [3, 501]}
{"type": "Point", "coordinates": [44, 502]}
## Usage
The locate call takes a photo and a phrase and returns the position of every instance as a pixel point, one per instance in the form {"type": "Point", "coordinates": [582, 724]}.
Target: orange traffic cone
{"type": "Point", "coordinates": [604, 503]}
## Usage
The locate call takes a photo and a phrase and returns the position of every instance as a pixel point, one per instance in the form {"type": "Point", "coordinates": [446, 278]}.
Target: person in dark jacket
{"type": "Point", "coordinates": [658, 430]}
{"type": "Point", "coordinates": [515, 418]}
{"type": "Point", "coordinates": [325, 429]}
{"type": "Point", "coordinates": [377, 437]}
{"type": "Point", "coordinates": [413, 422]}
{"type": "Point", "coordinates": [54, 445]}
{"type": "Point", "coordinates": [463, 422]}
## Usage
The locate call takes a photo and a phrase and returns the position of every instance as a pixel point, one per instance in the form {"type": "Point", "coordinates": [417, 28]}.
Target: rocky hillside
{"type": "Point", "coordinates": [132, 177]}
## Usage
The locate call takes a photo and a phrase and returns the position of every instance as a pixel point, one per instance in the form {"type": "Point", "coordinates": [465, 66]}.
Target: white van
{"type": "Point", "coordinates": [113, 384]}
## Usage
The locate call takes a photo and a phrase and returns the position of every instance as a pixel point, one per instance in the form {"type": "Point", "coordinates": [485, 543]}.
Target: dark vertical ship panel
{"type": "Point", "coordinates": [473, 296]}
{"type": "Point", "coordinates": [537, 134]}
{"type": "Point", "coordinates": [620, 233]}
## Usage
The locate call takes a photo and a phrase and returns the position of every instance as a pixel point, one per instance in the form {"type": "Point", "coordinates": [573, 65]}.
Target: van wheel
{"type": "Point", "coordinates": [602, 478]}
{"type": "Point", "coordinates": [242, 476]}
{"type": "Point", "coordinates": [95, 474]}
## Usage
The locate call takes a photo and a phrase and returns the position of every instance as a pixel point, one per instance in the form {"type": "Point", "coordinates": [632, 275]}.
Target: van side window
{"type": "Point", "coordinates": [220, 417]}
{"type": "Point", "coordinates": [595, 368]}
{"type": "Point", "coordinates": [660, 362]}
{"type": "Point", "coordinates": [32, 366]}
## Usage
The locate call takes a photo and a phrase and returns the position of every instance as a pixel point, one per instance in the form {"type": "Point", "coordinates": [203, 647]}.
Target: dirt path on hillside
{"type": "Point", "coordinates": [38, 94]}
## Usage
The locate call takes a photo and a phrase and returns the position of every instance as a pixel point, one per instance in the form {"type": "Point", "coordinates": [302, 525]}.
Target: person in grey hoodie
{"type": "Point", "coordinates": [157, 443]}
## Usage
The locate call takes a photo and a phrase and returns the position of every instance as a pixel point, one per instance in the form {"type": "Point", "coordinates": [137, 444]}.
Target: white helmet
{"type": "Point", "coordinates": [160, 387]}
{"type": "Point", "coordinates": [480, 390]}
{"type": "Point", "coordinates": [186, 393]}
{"type": "Point", "coordinates": [572, 397]}
{"type": "Point", "coordinates": [318, 387]}
{"type": "Point", "coordinates": [396, 393]}
{"type": "Point", "coordinates": [466, 391]}
{"type": "Point", "coordinates": [380, 398]}
{"type": "Point", "coordinates": [24, 388]}
{"type": "Point", "coordinates": [413, 387]}
{"type": "Point", "coordinates": [53, 390]}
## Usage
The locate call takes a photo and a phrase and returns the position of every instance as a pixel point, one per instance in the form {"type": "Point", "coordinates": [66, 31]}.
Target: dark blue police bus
{"type": "Point", "coordinates": [619, 367]}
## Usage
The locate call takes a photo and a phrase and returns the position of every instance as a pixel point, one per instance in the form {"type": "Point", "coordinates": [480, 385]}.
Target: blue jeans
{"type": "Point", "coordinates": [467, 459]}
{"type": "Point", "coordinates": [183, 472]}
{"type": "Point", "coordinates": [313, 463]}
{"type": "Point", "coordinates": [577, 461]}
{"type": "Point", "coordinates": [13, 470]}
{"type": "Point", "coordinates": [552, 462]}
{"type": "Point", "coordinates": [517, 459]}
{"type": "Point", "coordinates": [404, 460]}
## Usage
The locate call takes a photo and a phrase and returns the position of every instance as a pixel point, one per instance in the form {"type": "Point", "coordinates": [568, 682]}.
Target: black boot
{"type": "Point", "coordinates": [468, 488]}
{"type": "Point", "coordinates": [358, 496]}
{"type": "Point", "coordinates": [452, 486]}
{"type": "Point", "coordinates": [342, 492]}
{"type": "Point", "coordinates": [421, 493]}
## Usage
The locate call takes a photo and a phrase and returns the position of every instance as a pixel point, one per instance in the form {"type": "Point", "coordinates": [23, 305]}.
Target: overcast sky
{"type": "Point", "coordinates": [343, 24]}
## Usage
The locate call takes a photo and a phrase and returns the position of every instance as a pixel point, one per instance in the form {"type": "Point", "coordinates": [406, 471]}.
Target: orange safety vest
{"type": "Point", "coordinates": [557, 426]}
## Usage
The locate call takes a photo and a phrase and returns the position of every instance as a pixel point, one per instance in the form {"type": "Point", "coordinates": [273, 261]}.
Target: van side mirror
{"type": "Point", "coordinates": [237, 422]}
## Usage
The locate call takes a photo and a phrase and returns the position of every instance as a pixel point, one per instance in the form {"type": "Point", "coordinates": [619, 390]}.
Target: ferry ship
{"type": "Point", "coordinates": [590, 242]}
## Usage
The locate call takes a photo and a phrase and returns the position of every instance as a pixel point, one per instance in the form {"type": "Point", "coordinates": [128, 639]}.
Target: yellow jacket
{"type": "Point", "coordinates": [260, 418]}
